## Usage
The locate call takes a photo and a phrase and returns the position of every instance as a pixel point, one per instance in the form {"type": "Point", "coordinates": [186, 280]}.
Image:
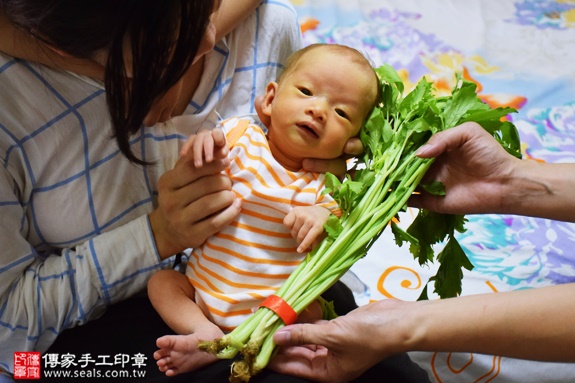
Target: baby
{"type": "Point", "coordinates": [322, 99]}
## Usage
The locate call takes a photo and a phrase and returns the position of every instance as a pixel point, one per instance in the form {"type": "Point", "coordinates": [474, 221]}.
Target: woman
{"type": "Point", "coordinates": [87, 219]}
{"type": "Point", "coordinates": [82, 227]}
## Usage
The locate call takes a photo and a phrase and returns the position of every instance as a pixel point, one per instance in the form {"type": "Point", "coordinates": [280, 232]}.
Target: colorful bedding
{"type": "Point", "coordinates": [520, 53]}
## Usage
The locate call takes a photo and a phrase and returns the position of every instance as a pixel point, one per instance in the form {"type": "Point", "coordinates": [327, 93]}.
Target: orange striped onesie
{"type": "Point", "coordinates": [236, 269]}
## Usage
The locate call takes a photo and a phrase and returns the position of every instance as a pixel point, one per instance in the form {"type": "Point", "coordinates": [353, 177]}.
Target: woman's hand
{"type": "Point", "coordinates": [194, 203]}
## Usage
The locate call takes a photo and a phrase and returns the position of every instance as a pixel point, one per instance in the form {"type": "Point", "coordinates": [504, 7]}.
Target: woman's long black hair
{"type": "Point", "coordinates": [163, 36]}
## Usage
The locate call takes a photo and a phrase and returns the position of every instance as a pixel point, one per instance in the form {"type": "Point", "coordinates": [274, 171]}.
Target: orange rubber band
{"type": "Point", "coordinates": [281, 308]}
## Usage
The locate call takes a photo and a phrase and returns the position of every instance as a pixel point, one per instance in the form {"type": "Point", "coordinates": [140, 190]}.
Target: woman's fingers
{"type": "Point", "coordinates": [185, 172]}
{"type": "Point", "coordinates": [210, 224]}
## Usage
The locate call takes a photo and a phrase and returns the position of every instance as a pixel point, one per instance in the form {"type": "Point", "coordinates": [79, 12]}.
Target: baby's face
{"type": "Point", "coordinates": [320, 104]}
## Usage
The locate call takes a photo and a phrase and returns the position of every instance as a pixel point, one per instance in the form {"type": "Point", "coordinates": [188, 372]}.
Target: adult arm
{"type": "Point", "coordinates": [530, 324]}
{"type": "Point", "coordinates": [46, 290]}
{"type": "Point", "coordinates": [42, 294]}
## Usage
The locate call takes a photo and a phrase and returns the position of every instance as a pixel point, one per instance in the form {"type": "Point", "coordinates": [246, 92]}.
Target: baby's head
{"type": "Point", "coordinates": [322, 99]}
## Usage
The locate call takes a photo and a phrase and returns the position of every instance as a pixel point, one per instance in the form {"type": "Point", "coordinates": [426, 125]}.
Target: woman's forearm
{"type": "Point", "coordinates": [530, 324]}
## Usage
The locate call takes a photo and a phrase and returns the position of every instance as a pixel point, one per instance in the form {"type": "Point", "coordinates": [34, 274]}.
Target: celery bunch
{"type": "Point", "coordinates": [389, 174]}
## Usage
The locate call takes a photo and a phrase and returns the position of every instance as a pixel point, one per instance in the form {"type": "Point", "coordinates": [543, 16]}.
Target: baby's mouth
{"type": "Point", "coordinates": [309, 129]}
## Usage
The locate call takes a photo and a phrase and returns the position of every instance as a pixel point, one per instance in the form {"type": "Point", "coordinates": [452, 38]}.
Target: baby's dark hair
{"type": "Point", "coordinates": [351, 53]}
{"type": "Point", "coordinates": [162, 36]}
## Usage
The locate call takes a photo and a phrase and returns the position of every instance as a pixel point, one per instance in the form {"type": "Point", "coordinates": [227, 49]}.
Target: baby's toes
{"type": "Point", "coordinates": [161, 354]}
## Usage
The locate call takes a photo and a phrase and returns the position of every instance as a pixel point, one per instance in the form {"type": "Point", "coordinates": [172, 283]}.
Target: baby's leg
{"type": "Point", "coordinates": [172, 296]}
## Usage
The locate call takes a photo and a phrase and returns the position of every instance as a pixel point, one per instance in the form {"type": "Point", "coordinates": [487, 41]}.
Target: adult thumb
{"type": "Point", "coordinates": [300, 334]}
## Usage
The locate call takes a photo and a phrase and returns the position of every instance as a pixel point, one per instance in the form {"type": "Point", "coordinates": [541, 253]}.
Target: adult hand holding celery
{"type": "Point", "coordinates": [389, 174]}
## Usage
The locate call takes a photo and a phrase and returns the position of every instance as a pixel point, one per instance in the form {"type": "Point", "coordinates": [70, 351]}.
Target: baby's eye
{"type": "Point", "coordinates": [341, 113]}
{"type": "Point", "coordinates": [305, 91]}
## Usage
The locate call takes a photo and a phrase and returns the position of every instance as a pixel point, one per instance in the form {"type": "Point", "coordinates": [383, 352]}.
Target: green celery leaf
{"type": "Point", "coordinates": [327, 309]}
{"type": "Point", "coordinates": [401, 236]}
{"type": "Point", "coordinates": [508, 137]}
{"type": "Point", "coordinates": [431, 228]}
{"type": "Point", "coordinates": [423, 296]}
{"type": "Point", "coordinates": [349, 193]}
{"type": "Point", "coordinates": [462, 100]}
{"type": "Point", "coordinates": [449, 275]}
{"type": "Point", "coordinates": [458, 222]}
{"type": "Point", "coordinates": [389, 75]}
{"type": "Point", "coordinates": [483, 115]}
{"type": "Point", "coordinates": [435, 188]}
{"type": "Point", "coordinates": [333, 227]}
{"type": "Point", "coordinates": [376, 134]}
{"type": "Point", "coordinates": [332, 185]}
{"type": "Point", "coordinates": [416, 101]}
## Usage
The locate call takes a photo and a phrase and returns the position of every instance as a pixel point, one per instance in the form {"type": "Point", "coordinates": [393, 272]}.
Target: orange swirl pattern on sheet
{"type": "Point", "coordinates": [405, 283]}
{"type": "Point", "coordinates": [439, 359]}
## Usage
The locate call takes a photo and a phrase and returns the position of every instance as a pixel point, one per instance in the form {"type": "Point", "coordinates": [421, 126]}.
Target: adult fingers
{"type": "Point", "coordinates": [449, 139]}
{"type": "Point", "coordinates": [214, 222]}
{"type": "Point", "coordinates": [336, 166]}
{"type": "Point", "coordinates": [219, 137]}
{"type": "Point", "coordinates": [302, 334]}
{"type": "Point", "coordinates": [353, 146]}
{"type": "Point", "coordinates": [211, 204]}
{"type": "Point", "coordinates": [195, 223]}
{"type": "Point", "coordinates": [185, 172]}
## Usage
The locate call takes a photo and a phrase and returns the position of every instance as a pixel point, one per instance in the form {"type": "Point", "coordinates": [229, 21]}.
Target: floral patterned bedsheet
{"type": "Point", "coordinates": [521, 53]}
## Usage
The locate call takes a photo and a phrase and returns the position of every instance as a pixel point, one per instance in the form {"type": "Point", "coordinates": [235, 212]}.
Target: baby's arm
{"type": "Point", "coordinates": [306, 224]}
{"type": "Point", "coordinates": [202, 146]}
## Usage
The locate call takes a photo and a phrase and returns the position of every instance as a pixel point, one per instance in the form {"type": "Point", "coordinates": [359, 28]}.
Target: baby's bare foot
{"type": "Point", "coordinates": [179, 353]}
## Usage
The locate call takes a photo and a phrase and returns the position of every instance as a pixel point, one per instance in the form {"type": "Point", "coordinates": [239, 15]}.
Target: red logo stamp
{"type": "Point", "coordinates": [27, 365]}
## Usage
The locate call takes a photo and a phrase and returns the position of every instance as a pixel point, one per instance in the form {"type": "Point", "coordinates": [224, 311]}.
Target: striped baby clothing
{"type": "Point", "coordinates": [236, 269]}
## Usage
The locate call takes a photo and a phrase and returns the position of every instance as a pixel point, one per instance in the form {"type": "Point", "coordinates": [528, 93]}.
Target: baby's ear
{"type": "Point", "coordinates": [268, 98]}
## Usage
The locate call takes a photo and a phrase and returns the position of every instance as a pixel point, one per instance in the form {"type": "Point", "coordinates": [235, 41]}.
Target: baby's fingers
{"type": "Point", "coordinates": [309, 235]}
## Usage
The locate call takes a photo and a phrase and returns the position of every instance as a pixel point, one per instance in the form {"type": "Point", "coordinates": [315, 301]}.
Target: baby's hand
{"type": "Point", "coordinates": [306, 225]}
{"type": "Point", "coordinates": [203, 145]}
